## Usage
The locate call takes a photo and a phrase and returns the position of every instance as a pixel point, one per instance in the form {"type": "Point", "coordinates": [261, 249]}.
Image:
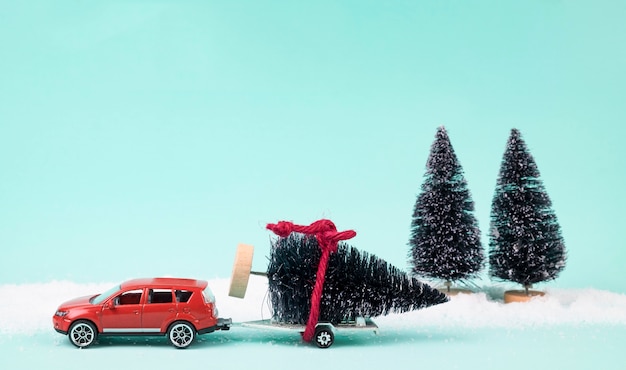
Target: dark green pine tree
{"type": "Point", "coordinates": [357, 284]}
{"type": "Point", "coordinates": [445, 238]}
{"type": "Point", "coordinates": [525, 241]}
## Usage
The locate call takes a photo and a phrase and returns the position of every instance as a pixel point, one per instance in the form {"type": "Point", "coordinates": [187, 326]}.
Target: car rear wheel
{"type": "Point", "coordinates": [181, 334]}
{"type": "Point", "coordinates": [82, 334]}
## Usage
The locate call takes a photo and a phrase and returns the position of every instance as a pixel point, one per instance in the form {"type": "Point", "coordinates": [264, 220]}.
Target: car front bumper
{"type": "Point", "coordinates": [60, 324]}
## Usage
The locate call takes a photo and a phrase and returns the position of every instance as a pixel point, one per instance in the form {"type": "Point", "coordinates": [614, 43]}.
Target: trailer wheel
{"type": "Point", "coordinates": [324, 336]}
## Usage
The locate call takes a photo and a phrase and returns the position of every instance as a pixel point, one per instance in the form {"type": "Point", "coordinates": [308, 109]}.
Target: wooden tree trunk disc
{"type": "Point", "coordinates": [241, 271]}
{"type": "Point", "coordinates": [511, 296]}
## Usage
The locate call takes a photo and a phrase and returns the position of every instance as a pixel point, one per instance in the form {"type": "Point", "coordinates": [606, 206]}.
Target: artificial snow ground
{"type": "Point", "coordinates": [567, 329]}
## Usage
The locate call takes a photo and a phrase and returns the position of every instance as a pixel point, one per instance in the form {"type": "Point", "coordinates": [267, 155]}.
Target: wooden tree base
{"type": "Point", "coordinates": [241, 271]}
{"type": "Point", "coordinates": [511, 296]}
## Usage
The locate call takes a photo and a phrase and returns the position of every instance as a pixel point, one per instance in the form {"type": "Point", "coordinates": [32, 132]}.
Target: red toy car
{"type": "Point", "coordinates": [178, 308]}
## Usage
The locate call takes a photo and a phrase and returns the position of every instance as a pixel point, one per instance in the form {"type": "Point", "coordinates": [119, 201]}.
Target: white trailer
{"type": "Point", "coordinates": [324, 336]}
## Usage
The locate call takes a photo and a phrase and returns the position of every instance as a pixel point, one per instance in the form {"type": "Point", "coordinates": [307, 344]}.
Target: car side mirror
{"type": "Point", "coordinates": [111, 304]}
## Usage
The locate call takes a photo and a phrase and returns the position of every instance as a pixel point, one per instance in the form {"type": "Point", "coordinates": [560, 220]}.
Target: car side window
{"type": "Point", "coordinates": [160, 296]}
{"type": "Point", "coordinates": [129, 297]}
{"type": "Point", "coordinates": [182, 296]}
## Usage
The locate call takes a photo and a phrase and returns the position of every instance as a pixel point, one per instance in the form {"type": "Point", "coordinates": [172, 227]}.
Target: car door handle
{"type": "Point", "coordinates": [172, 310]}
{"type": "Point", "coordinates": [136, 312]}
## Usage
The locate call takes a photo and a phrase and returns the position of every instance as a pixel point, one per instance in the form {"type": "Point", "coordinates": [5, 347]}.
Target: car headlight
{"type": "Point", "coordinates": [61, 313]}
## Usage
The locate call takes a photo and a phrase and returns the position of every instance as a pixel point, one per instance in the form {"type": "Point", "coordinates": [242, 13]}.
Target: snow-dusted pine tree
{"type": "Point", "coordinates": [445, 238]}
{"type": "Point", "coordinates": [357, 283]}
{"type": "Point", "coordinates": [525, 241]}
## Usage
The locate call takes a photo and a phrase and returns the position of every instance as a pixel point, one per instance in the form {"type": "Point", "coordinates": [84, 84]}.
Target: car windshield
{"type": "Point", "coordinates": [101, 297]}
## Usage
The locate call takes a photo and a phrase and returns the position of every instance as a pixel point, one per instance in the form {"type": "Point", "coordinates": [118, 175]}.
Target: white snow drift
{"type": "Point", "coordinates": [27, 308]}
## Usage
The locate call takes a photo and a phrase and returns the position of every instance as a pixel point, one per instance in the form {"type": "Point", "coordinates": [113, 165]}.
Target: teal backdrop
{"type": "Point", "coordinates": [143, 138]}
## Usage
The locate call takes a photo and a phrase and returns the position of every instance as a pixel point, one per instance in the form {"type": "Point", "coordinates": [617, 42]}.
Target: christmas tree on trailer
{"type": "Point", "coordinates": [357, 284]}
{"type": "Point", "coordinates": [526, 245]}
{"type": "Point", "coordinates": [445, 238]}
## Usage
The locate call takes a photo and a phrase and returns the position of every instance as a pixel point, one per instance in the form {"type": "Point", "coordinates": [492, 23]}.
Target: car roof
{"type": "Point", "coordinates": [164, 282]}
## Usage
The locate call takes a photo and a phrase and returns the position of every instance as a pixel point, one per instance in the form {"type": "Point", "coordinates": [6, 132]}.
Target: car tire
{"type": "Point", "coordinates": [324, 336]}
{"type": "Point", "coordinates": [181, 334]}
{"type": "Point", "coordinates": [82, 334]}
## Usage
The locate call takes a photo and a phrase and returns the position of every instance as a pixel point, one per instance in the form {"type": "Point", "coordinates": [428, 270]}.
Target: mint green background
{"type": "Point", "coordinates": [142, 138]}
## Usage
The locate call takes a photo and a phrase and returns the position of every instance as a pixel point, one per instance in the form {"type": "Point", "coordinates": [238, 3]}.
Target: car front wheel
{"type": "Point", "coordinates": [181, 334]}
{"type": "Point", "coordinates": [82, 334]}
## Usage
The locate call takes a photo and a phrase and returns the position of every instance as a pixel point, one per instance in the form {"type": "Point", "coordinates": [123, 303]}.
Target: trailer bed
{"type": "Point", "coordinates": [324, 336]}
